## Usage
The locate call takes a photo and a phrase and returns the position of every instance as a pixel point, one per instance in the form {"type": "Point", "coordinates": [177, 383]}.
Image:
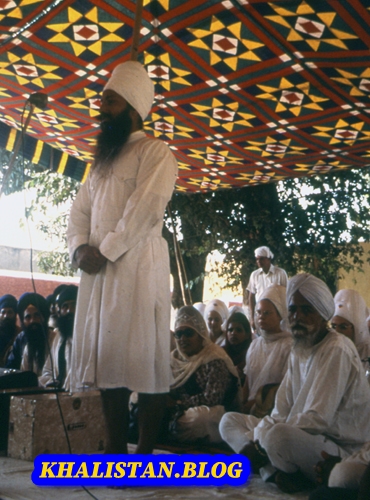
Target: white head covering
{"type": "Point", "coordinates": [184, 366]}
{"type": "Point", "coordinates": [189, 316]}
{"type": "Point", "coordinates": [131, 81]}
{"type": "Point", "coordinates": [350, 305]}
{"type": "Point", "coordinates": [263, 252]}
{"type": "Point", "coordinates": [236, 309]}
{"type": "Point", "coordinates": [220, 307]}
{"type": "Point", "coordinates": [200, 306]}
{"type": "Point", "coordinates": [277, 295]}
{"type": "Point", "coordinates": [315, 291]}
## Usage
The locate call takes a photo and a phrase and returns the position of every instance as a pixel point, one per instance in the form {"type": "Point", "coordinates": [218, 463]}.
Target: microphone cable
{"type": "Point", "coordinates": [39, 100]}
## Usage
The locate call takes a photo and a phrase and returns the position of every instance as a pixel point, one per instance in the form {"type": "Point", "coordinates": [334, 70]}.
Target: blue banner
{"type": "Point", "coordinates": [140, 470]}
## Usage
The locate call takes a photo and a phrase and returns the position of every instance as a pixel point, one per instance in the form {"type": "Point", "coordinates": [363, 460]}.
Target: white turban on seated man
{"type": "Point", "coordinates": [323, 403]}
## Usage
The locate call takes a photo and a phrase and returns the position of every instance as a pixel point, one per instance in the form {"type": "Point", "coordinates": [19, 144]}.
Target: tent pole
{"type": "Point", "coordinates": [16, 149]}
{"type": "Point", "coordinates": [136, 33]}
{"type": "Point", "coordinates": [186, 297]}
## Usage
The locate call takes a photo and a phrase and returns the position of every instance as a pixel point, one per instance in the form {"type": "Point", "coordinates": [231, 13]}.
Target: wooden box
{"type": "Point", "coordinates": [35, 424]}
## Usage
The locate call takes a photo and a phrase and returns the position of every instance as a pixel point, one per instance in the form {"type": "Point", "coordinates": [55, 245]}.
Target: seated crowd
{"type": "Point", "coordinates": [292, 395]}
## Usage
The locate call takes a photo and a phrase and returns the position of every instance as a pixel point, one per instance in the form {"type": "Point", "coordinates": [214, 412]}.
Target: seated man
{"type": "Point", "coordinates": [56, 370]}
{"type": "Point", "coordinates": [323, 403]}
{"type": "Point", "coordinates": [30, 347]}
{"type": "Point", "coordinates": [8, 325]}
{"type": "Point", "coordinates": [205, 380]}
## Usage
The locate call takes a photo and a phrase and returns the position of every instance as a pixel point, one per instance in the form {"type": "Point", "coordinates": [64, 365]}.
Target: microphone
{"type": "Point", "coordinates": [39, 100]}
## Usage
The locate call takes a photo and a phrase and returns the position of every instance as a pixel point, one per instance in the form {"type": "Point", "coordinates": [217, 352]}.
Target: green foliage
{"type": "Point", "coordinates": [21, 172]}
{"type": "Point", "coordinates": [57, 263]}
{"type": "Point", "coordinates": [314, 224]}
{"type": "Point", "coordinates": [53, 190]}
{"type": "Point", "coordinates": [231, 221]}
{"type": "Point", "coordinates": [327, 218]}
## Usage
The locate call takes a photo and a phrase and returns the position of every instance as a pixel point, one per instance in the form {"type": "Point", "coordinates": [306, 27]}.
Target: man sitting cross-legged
{"type": "Point", "coordinates": [323, 403]}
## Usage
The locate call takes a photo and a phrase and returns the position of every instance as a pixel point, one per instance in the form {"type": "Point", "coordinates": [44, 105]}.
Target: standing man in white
{"type": "Point", "coordinates": [121, 342]}
{"type": "Point", "coordinates": [267, 274]}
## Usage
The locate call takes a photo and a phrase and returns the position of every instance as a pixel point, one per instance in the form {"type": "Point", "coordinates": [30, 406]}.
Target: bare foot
{"type": "Point", "coordinates": [324, 467]}
{"type": "Point", "coordinates": [257, 458]}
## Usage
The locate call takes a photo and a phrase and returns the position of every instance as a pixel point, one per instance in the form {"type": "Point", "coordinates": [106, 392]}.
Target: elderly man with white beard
{"type": "Point", "coordinates": [323, 403]}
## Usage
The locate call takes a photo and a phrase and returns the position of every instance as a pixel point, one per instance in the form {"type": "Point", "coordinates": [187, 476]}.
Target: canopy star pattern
{"type": "Point", "coordinates": [246, 91]}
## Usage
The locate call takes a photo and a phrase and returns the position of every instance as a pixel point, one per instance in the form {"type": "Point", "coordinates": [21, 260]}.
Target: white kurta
{"type": "Point", "coordinates": [327, 393]}
{"type": "Point", "coordinates": [51, 365]}
{"type": "Point", "coordinates": [267, 361]}
{"type": "Point", "coordinates": [121, 333]}
{"type": "Point", "coordinates": [259, 281]}
{"type": "Point", "coordinates": [324, 394]}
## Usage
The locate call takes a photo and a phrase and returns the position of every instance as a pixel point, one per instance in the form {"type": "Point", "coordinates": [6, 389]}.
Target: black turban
{"type": "Point", "coordinates": [58, 290]}
{"type": "Point", "coordinates": [8, 301]}
{"type": "Point", "coordinates": [68, 293]}
{"type": "Point", "coordinates": [36, 300]}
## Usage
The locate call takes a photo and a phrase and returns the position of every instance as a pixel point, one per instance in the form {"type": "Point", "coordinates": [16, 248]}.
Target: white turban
{"type": "Point", "coordinates": [315, 291]}
{"type": "Point", "coordinates": [220, 307]}
{"type": "Point", "coordinates": [263, 252]}
{"type": "Point", "coordinates": [277, 295]}
{"type": "Point", "coordinates": [131, 81]}
{"type": "Point", "coordinates": [351, 306]}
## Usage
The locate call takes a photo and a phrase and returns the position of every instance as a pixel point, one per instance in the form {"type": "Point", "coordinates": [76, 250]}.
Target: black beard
{"type": "Point", "coordinates": [113, 136]}
{"type": "Point", "coordinates": [35, 335]}
{"type": "Point", "coordinates": [65, 325]}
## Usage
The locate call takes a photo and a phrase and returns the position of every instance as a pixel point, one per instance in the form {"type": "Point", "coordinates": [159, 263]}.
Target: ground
{"type": "Point", "coordinates": [15, 484]}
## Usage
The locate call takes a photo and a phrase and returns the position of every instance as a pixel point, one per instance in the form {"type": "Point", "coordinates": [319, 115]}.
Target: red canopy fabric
{"type": "Point", "coordinates": [246, 91]}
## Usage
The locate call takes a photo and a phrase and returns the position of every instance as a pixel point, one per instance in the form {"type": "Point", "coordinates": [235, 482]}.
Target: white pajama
{"type": "Point", "coordinates": [324, 397]}
{"type": "Point", "coordinates": [199, 422]}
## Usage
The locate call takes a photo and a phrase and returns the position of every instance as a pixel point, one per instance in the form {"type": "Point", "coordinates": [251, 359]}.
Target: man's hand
{"type": "Point", "coordinates": [89, 259]}
{"type": "Point", "coordinates": [324, 467]}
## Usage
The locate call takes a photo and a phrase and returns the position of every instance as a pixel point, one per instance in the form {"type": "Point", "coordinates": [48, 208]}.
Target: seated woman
{"type": "Point", "coordinates": [238, 340]}
{"type": "Point", "coordinates": [267, 356]}
{"type": "Point", "coordinates": [350, 319]}
{"type": "Point", "coordinates": [206, 381]}
{"type": "Point", "coordinates": [216, 314]}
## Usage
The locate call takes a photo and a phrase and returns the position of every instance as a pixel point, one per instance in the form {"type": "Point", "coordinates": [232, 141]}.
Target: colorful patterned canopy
{"type": "Point", "coordinates": [247, 91]}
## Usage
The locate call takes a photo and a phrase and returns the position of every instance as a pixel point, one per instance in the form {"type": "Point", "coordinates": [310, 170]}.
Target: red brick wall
{"type": "Point", "coordinates": [18, 285]}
